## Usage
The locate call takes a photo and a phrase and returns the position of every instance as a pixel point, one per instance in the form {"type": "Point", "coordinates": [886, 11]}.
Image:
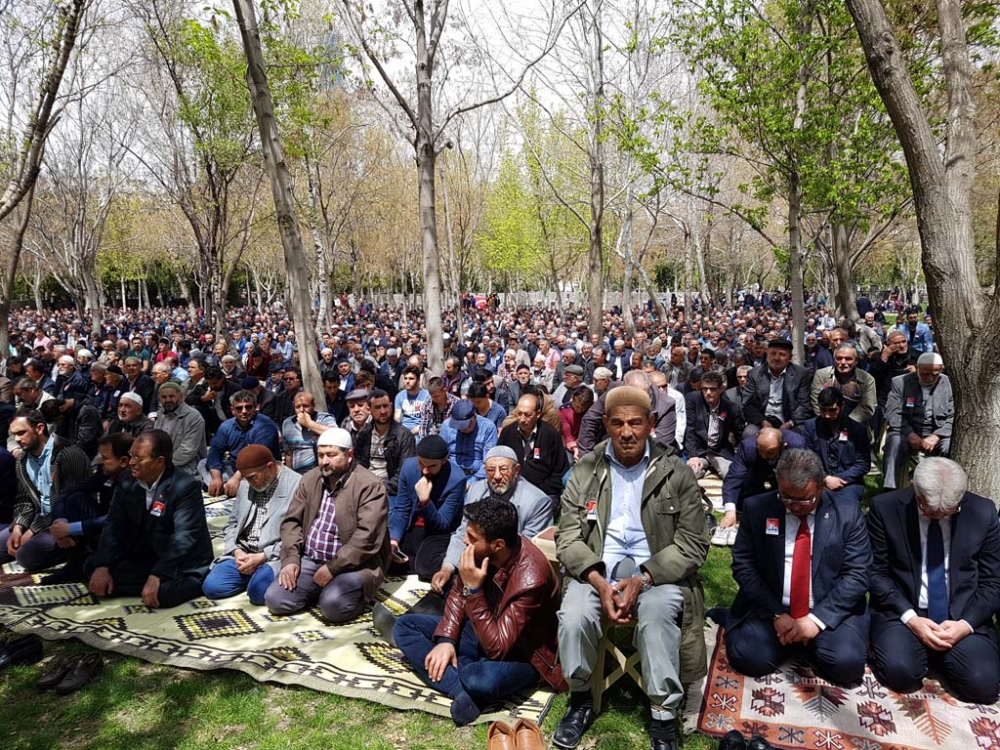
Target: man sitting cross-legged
{"type": "Point", "coordinates": [801, 561]}
{"type": "Point", "coordinates": [498, 632]}
{"type": "Point", "coordinates": [252, 547]}
{"type": "Point", "coordinates": [334, 540]}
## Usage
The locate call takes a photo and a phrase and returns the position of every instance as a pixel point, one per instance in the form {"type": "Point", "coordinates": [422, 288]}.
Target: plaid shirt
{"type": "Point", "coordinates": [431, 418]}
{"type": "Point", "coordinates": [323, 540]}
{"type": "Point", "coordinates": [249, 539]}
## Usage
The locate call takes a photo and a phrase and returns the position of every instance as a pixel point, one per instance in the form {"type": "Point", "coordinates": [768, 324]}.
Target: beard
{"type": "Point", "coordinates": [500, 491]}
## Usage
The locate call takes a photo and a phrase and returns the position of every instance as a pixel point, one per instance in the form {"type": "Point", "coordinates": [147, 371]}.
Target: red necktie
{"type": "Point", "coordinates": [798, 600]}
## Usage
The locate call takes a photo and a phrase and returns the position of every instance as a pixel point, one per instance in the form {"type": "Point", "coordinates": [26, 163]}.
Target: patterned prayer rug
{"type": "Point", "coordinates": [304, 649]}
{"type": "Point", "coordinates": [795, 709]}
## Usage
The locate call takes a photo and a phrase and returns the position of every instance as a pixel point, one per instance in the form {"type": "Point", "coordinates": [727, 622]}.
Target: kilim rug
{"type": "Point", "coordinates": [795, 709]}
{"type": "Point", "coordinates": [304, 649]}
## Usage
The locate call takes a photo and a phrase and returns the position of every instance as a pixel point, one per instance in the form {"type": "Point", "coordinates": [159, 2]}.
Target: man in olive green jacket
{"type": "Point", "coordinates": [632, 538]}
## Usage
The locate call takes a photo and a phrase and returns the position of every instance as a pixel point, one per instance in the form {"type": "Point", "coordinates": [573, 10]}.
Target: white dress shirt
{"type": "Point", "coordinates": [792, 523]}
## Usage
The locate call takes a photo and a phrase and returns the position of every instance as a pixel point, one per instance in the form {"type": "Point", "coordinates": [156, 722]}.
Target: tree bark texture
{"type": "Point", "coordinates": [966, 316]}
{"type": "Point", "coordinates": [284, 205]}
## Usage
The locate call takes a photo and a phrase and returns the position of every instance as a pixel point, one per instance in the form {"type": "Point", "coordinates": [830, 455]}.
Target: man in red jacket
{"type": "Point", "coordinates": [498, 632]}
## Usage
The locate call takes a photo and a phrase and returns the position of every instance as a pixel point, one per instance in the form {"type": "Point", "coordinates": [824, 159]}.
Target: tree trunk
{"type": "Point", "coordinates": [966, 317]}
{"type": "Point", "coordinates": [846, 301]}
{"type": "Point", "coordinates": [453, 274]}
{"type": "Point", "coordinates": [795, 267]}
{"type": "Point", "coordinates": [426, 158]}
{"type": "Point", "coordinates": [319, 248]}
{"type": "Point", "coordinates": [16, 246]}
{"type": "Point", "coordinates": [595, 250]}
{"type": "Point", "coordinates": [284, 205]}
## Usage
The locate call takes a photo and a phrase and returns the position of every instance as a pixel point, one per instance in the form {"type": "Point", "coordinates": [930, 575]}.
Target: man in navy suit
{"type": "Point", "coordinates": [936, 584]}
{"type": "Point", "coordinates": [801, 561]}
{"type": "Point", "coordinates": [777, 392]}
{"type": "Point", "coordinates": [842, 444]}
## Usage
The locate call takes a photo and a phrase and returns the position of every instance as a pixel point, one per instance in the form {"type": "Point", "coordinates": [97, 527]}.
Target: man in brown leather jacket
{"type": "Point", "coordinates": [498, 632]}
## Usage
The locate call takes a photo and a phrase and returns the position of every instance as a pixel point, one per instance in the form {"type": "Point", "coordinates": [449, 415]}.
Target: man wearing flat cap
{"type": "Point", "coordinates": [334, 542]}
{"type": "Point", "coordinates": [632, 538]}
{"type": "Point", "coordinates": [427, 507]}
{"type": "Point", "coordinates": [358, 412]}
{"type": "Point", "coordinates": [251, 551]}
{"type": "Point", "coordinates": [185, 426]}
{"type": "Point", "coordinates": [919, 414]}
{"type": "Point", "coordinates": [469, 438]}
{"type": "Point", "coordinates": [572, 379]}
{"type": "Point", "coordinates": [777, 393]}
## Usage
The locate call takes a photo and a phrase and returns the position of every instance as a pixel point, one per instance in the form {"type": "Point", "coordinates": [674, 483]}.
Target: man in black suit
{"type": "Point", "coordinates": [155, 542]}
{"type": "Point", "coordinates": [139, 382]}
{"type": "Point", "coordinates": [801, 560]}
{"type": "Point", "coordinates": [709, 423]}
{"type": "Point", "coordinates": [842, 444]}
{"type": "Point", "coordinates": [212, 398]}
{"type": "Point", "coordinates": [777, 392]}
{"type": "Point", "coordinates": [936, 584]}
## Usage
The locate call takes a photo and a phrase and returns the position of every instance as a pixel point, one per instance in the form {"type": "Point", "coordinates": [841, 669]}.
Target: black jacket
{"type": "Point", "coordinates": [696, 434]}
{"type": "Point", "coordinates": [399, 445]}
{"type": "Point", "coordinates": [171, 536]}
{"type": "Point", "coordinates": [796, 404]}
{"type": "Point", "coordinates": [545, 465]}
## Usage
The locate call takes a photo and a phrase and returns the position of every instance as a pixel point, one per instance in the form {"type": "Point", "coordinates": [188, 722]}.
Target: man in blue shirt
{"type": "Point", "coordinates": [427, 508]}
{"type": "Point", "coordinates": [469, 438]}
{"type": "Point", "coordinates": [245, 427]}
{"type": "Point", "coordinates": [918, 334]}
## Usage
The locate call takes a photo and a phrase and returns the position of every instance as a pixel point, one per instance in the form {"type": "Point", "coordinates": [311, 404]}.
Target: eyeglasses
{"type": "Point", "coordinates": [244, 407]}
{"type": "Point", "coordinates": [797, 500]}
{"type": "Point", "coordinates": [139, 459]}
{"type": "Point", "coordinates": [709, 389]}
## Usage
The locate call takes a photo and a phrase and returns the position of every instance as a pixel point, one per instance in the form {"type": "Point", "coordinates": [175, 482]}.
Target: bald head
{"type": "Point", "coordinates": [769, 442]}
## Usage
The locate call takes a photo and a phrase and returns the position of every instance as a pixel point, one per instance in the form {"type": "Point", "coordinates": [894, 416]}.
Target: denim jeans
{"type": "Point", "coordinates": [225, 580]}
{"type": "Point", "coordinates": [482, 678]}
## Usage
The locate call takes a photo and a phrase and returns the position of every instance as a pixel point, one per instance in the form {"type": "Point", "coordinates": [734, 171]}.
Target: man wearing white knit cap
{"type": "Point", "coordinates": [334, 540]}
{"type": "Point", "coordinates": [919, 414]}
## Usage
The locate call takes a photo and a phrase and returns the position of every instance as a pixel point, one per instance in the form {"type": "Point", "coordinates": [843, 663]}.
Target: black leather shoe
{"type": "Point", "coordinates": [24, 649]}
{"type": "Point", "coordinates": [56, 670]}
{"type": "Point", "coordinates": [759, 743]}
{"type": "Point", "coordinates": [658, 743]}
{"type": "Point", "coordinates": [577, 720]}
{"type": "Point", "coordinates": [85, 670]}
{"type": "Point", "coordinates": [733, 740]}
{"type": "Point", "coordinates": [384, 620]}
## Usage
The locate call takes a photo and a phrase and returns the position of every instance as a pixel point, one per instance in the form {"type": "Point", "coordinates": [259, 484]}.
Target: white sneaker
{"type": "Point", "coordinates": [731, 535]}
{"type": "Point", "coordinates": [721, 537]}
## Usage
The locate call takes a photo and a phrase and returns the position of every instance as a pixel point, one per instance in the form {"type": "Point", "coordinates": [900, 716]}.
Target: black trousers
{"type": "Point", "coordinates": [130, 576]}
{"type": "Point", "coordinates": [838, 654]}
{"type": "Point", "coordinates": [971, 668]}
{"type": "Point", "coordinates": [426, 551]}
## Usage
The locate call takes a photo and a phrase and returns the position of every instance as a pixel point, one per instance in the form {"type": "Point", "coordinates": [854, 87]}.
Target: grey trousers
{"type": "Point", "coordinates": [657, 639]}
{"type": "Point", "coordinates": [715, 463]}
{"type": "Point", "coordinates": [896, 458]}
{"type": "Point", "coordinates": [340, 600]}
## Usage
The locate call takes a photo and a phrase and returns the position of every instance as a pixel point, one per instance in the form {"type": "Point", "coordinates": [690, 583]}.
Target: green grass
{"type": "Point", "coordinates": [140, 706]}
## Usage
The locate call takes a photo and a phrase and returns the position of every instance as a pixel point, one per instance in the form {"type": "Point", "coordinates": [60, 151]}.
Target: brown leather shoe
{"type": "Point", "coordinates": [528, 735]}
{"type": "Point", "coordinates": [500, 737]}
{"type": "Point", "coordinates": [85, 670]}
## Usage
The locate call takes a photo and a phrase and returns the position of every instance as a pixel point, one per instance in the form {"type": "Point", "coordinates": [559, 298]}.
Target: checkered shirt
{"type": "Point", "coordinates": [249, 539]}
{"type": "Point", "coordinates": [323, 540]}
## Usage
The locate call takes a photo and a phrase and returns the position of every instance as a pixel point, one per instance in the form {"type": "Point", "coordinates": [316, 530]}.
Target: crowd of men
{"type": "Point", "coordinates": [113, 438]}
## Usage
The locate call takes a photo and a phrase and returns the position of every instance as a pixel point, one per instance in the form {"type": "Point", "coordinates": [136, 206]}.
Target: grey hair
{"type": "Point", "coordinates": [940, 483]}
{"type": "Point", "coordinates": [799, 466]}
{"type": "Point", "coordinates": [637, 378]}
{"type": "Point", "coordinates": [743, 369]}
{"type": "Point", "coordinates": [848, 347]}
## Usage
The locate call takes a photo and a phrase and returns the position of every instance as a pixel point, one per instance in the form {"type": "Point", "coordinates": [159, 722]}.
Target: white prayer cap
{"type": "Point", "coordinates": [336, 437]}
{"type": "Point", "coordinates": [930, 358]}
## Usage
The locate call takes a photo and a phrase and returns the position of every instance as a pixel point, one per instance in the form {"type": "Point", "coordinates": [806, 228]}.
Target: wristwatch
{"type": "Point", "coordinates": [647, 582]}
{"type": "Point", "coordinates": [466, 591]}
